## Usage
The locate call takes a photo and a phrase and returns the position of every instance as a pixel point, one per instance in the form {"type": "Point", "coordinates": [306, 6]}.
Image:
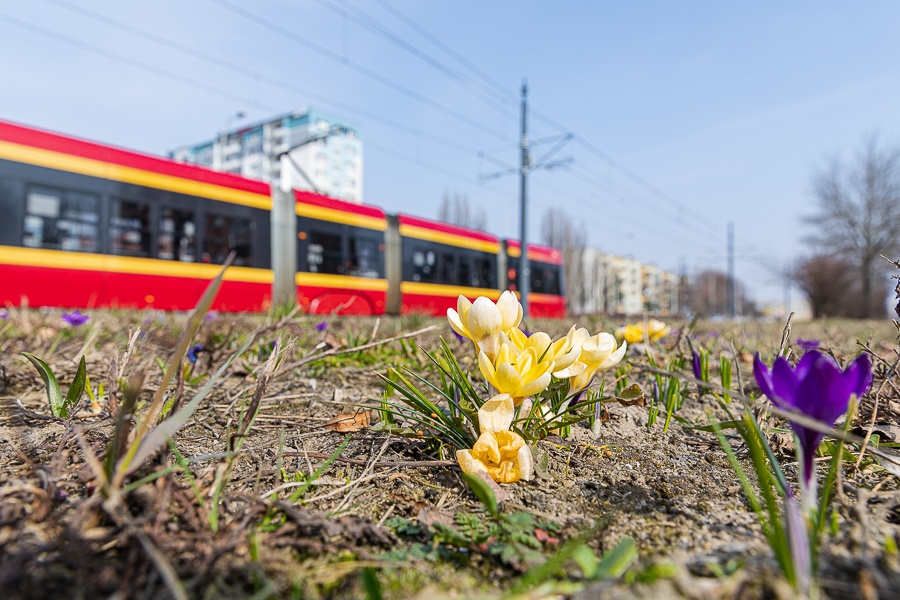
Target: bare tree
{"type": "Point", "coordinates": [830, 285]}
{"type": "Point", "coordinates": [456, 210]}
{"type": "Point", "coordinates": [559, 231]}
{"type": "Point", "coordinates": [709, 295]}
{"type": "Point", "coordinates": [858, 215]}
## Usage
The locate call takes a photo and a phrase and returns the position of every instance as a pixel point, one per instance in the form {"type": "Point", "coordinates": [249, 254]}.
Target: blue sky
{"type": "Point", "coordinates": [686, 115]}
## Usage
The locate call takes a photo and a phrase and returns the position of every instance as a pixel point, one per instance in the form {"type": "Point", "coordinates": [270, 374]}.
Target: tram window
{"type": "Point", "coordinates": [484, 273]}
{"type": "Point", "coordinates": [364, 258]}
{"type": "Point", "coordinates": [424, 266]}
{"type": "Point", "coordinates": [466, 274]}
{"type": "Point", "coordinates": [129, 229]}
{"type": "Point", "coordinates": [447, 269]}
{"type": "Point", "coordinates": [177, 233]}
{"type": "Point", "coordinates": [61, 220]}
{"type": "Point", "coordinates": [545, 279]}
{"type": "Point", "coordinates": [323, 253]}
{"type": "Point", "coordinates": [224, 234]}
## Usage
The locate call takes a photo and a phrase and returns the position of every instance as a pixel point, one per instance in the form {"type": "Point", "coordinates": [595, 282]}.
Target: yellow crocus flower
{"type": "Point", "coordinates": [636, 333]}
{"type": "Point", "coordinates": [598, 353]}
{"type": "Point", "coordinates": [563, 352]}
{"type": "Point", "coordinates": [483, 321]}
{"type": "Point", "coordinates": [519, 376]}
{"type": "Point", "coordinates": [500, 453]}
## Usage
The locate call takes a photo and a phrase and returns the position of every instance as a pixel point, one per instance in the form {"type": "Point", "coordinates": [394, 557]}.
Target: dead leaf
{"type": "Point", "coordinates": [434, 516]}
{"type": "Point", "coordinates": [499, 493]}
{"type": "Point", "coordinates": [349, 422]}
{"type": "Point", "coordinates": [333, 341]}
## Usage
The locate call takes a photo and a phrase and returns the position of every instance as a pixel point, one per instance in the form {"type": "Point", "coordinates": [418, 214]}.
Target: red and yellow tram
{"type": "Point", "coordinates": [340, 256]}
{"type": "Point", "coordinates": [439, 262]}
{"type": "Point", "coordinates": [88, 225]}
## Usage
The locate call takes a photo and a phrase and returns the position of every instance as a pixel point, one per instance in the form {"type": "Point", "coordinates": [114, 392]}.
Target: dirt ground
{"type": "Point", "coordinates": [390, 516]}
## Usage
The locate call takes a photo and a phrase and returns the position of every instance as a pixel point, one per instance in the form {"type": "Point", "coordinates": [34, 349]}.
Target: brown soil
{"type": "Point", "coordinates": [673, 492]}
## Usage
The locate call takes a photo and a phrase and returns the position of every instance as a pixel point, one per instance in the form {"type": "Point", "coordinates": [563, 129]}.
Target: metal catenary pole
{"type": "Point", "coordinates": [731, 307]}
{"type": "Point", "coordinates": [524, 271]}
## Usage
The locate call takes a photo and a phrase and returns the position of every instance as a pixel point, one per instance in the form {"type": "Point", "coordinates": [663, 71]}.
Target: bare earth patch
{"type": "Point", "coordinates": [390, 515]}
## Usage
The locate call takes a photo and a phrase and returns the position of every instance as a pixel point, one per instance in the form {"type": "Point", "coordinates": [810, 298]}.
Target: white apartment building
{"type": "Point", "coordinates": [305, 150]}
{"type": "Point", "coordinates": [621, 285]}
{"type": "Point", "coordinates": [660, 290]}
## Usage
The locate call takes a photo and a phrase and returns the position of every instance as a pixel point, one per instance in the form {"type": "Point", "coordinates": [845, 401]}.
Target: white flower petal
{"type": "Point", "coordinates": [510, 310]}
{"type": "Point", "coordinates": [525, 461]}
{"type": "Point", "coordinates": [572, 370]}
{"type": "Point", "coordinates": [497, 414]}
{"type": "Point", "coordinates": [614, 358]}
{"type": "Point", "coordinates": [456, 323]}
{"type": "Point", "coordinates": [468, 463]}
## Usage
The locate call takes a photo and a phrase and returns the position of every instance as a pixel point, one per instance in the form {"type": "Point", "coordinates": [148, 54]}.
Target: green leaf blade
{"type": "Point", "coordinates": [57, 404]}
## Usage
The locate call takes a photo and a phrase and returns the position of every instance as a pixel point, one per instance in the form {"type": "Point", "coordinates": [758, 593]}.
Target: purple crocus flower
{"type": "Point", "coordinates": [807, 345]}
{"type": "Point", "coordinates": [322, 326]}
{"type": "Point", "coordinates": [75, 318]}
{"type": "Point", "coordinates": [817, 388]}
{"type": "Point", "coordinates": [211, 316]}
{"type": "Point", "coordinates": [698, 373]}
{"type": "Point", "coordinates": [193, 352]}
{"type": "Point", "coordinates": [4, 314]}
{"type": "Point", "coordinates": [459, 338]}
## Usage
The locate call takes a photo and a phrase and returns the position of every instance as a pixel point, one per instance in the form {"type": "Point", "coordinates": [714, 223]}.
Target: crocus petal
{"type": "Point", "coordinates": [468, 463]}
{"type": "Point", "coordinates": [565, 361]}
{"type": "Point", "coordinates": [817, 388]}
{"type": "Point", "coordinates": [784, 383]}
{"type": "Point", "coordinates": [456, 323]}
{"type": "Point", "coordinates": [487, 446]}
{"type": "Point", "coordinates": [860, 372]}
{"type": "Point", "coordinates": [487, 369]}
{"type": "Point", "coordinates": [614, 358]}
{"type": "Point", "coordinates": [763, 377]}
{"type": "Point", "coordinates": [497, 413]}
{"type": "Point", "coordinates": [525, 462]}
{"type": "Point", "coordinates": [806, 363]}
{"type": "Point", "coordinates": [463, 305]}
{"type": "Point", "coordinates": [508, 379]}
{"type": "Point", "coordinates": [538, 385]}
{"type": "Point", "coordinates": [572, 370]}
{"type": "Point", "coordinates": [510, 310]}
{"type": "Point", "coordinates": [825, 393]}
{"type": "Point", "coordinates": [484, 317]}
{"type": "Point", "coordinates": [597, 348]}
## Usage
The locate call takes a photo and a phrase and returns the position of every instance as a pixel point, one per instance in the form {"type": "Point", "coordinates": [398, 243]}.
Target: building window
{"type": "Point", "coordinates": [129, 229]}
{"type": "Point", "coordinates": [253, 143]}
{"type": "Point", "coordinates": [61, 220]}
{"type": "Point", "coordinates": [224, 234]}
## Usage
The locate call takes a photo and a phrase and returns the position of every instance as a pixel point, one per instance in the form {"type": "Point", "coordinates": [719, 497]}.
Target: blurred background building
{"type": "Point", "coordinates": [304, 150]}
{"type": "Point", "coordinates": [619, 285]}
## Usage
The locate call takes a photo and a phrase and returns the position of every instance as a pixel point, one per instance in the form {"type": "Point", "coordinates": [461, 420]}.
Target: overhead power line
{"type": "Point", "coordinates": [293, 36]}
{"type": "Point", "coordinates": [256, 75]}
{"type": "Point", "coordinates": [133, 62]}
{"type": "Point", "coordinates": [206, 88]}
{"type": "Point", "coordinates": [504, 92]}
{"type": "Point", "coordinates": [368, 22]}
